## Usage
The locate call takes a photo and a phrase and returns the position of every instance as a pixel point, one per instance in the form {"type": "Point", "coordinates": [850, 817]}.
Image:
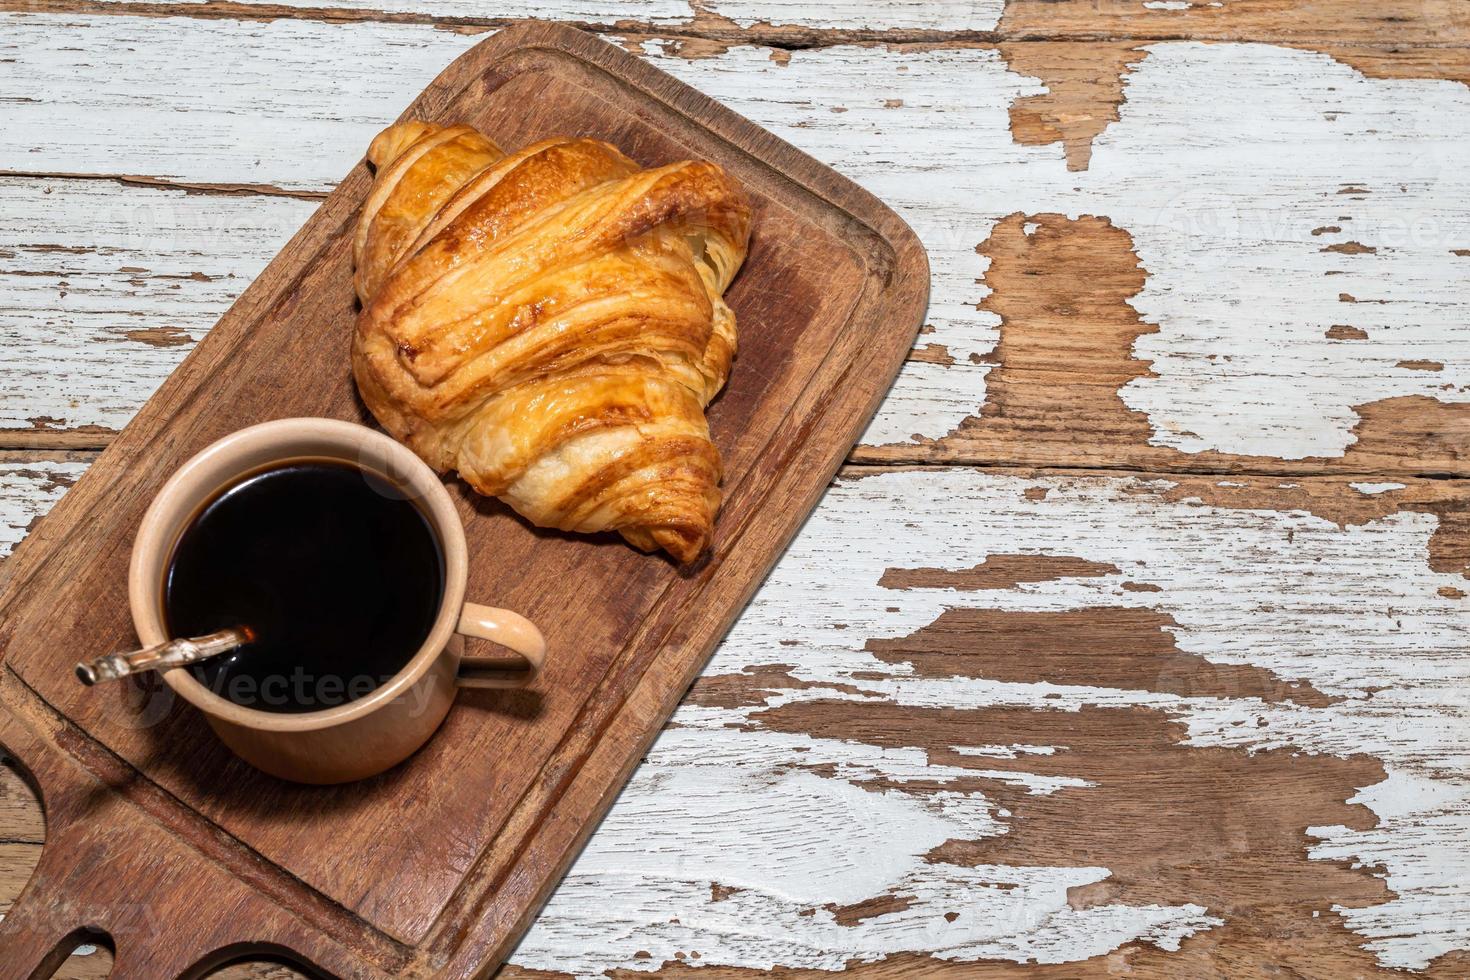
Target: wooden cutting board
{"type": "Point", "coordinates": [184, 855]}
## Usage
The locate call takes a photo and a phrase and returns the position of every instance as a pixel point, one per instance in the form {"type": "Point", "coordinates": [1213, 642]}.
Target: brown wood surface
{"type": "Point", "coordinates": [435, 867]}
{"type": "Point", "coordinates": [1229, 651]}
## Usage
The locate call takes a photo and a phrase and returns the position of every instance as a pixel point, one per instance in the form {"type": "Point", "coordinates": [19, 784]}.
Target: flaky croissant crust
{"type": "Point", "coordinates": [550, 323]}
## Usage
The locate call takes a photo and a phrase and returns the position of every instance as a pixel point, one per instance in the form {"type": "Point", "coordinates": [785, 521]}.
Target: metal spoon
{"type": "Point", "coordinates": [163, 656]}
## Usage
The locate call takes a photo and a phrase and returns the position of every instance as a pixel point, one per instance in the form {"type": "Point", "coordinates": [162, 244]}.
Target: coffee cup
{"type": "Point", "coordinates": [374, 732]}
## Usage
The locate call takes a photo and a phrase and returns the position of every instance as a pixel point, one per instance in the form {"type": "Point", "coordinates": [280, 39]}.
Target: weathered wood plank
{"type": "Point", "coordinates": [282, 104]}
{"type": "Point", "coordinates": [105, 288]}
{"type": "Point", "coordinates": [22, 829]}
{"type": "Point", "coordinates": [1292, 304]}
{"type": "Point", "coordinates": [1320, 24]}
{"type": "Point", "coordinates": [22, 832]}
{"type": "Point", "coordinates": [1220, 213]}
{"type": "Point", "coordinates": [1015, 717]}
{"type": "Point", "coordinates": [728, 19]}
{"type": "Point", "coordinates": [28, 488]}
{"type": "Point", "coordinates": [651, 13]}
{"type": "Point", "coordinates": [1331, 23]}
{"type": "Point", "coordinates": [21, 822]}
{"type": "Point", "coordinates": [863, 15]}
{"type": "Point", "coordinates": [1277, 638]}
{"type": "Point", "coordinates": [914, 762]}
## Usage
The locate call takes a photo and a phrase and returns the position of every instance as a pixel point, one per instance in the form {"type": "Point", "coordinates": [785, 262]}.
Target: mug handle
{"type": "Point", "coordinates": [511, 630]}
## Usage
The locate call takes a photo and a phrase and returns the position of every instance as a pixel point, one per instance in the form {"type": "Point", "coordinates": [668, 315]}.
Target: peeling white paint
{"type": "Point", "coordinates": [806, 843]}
{"type": "Point", "coordinates": [656, 12]}
{"type": "Point", "coordinates": [1255, 587]}
{"type": "Point", "coordinates": [27, 491]}
{"type": "Point", "coordinates": [287, 103]}
{"type": "Point", "coordinates": [1221, 203]}
{"type": "Point", "coordinates": [948, 15]}
{"type": "Point", "coordinates": [1235, 271]}
{"type": "Point", "coordinates": [1226, 159]}
{"type": "Point", "coordinates": [1003, 751]}
{"type": "Point", "coordinates": [87, 263]}
{"type": "Point", "coordinates": [1351, 610]}
{"type": "Point", "coordinates": [1438, 813]}
{"type": "Point", "coordinates": [875, 15]}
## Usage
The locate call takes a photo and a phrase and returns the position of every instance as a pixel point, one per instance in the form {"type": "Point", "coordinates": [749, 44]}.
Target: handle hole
{"type": "Point", "coordinates": [23, 828]}
{"type": "Point", "coordinates": [496, 657]}
{"type": "Point", "coordinates": [254, 961]}
{"type": "Point", "coordinates": [83, 954]}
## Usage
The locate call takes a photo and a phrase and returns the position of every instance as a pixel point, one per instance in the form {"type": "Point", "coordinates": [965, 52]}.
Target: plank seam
{"type": "Point", "coordinates": [165, 183]}
{"type": "Point", "coordinates": [856, 466]}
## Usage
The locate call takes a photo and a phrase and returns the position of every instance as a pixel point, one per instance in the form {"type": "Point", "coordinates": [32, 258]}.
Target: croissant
{"type": "Point", "coordinates": [550, 324]}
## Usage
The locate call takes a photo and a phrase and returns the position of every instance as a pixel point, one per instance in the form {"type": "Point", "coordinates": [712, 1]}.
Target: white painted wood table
{"type": "Point", "coordinates": [1134, 639]}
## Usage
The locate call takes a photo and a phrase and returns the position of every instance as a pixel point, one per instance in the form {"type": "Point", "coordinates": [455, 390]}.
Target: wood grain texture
{"type": "Point", "coordinates": [1322, 24]}
{"type": "Point", "coordinates": [1125, 276]}
{"type": "Point", "coordinates": [106, 288]}
{"type": "Point", "coordinates": [1057, 308]}
{"type": "Point", "coordinates": [1234, 290]}
{"type": "Point", "coordinates": [22, 832]}
{"type": "Point", "coordinates": [865, 733]}
{"type": "Point", "coordinates": [28, 488]}
{"type": "Point", "coordinates": [340, 878]}
{"type": "Point", "coordinates": [734, 19]}
{"type": "Point", "coordinates": [1328, 22]}
{"type": "Point", "coordinates": [1086, 81]}
{"type": "Point", "coordinates": [1239, 235]}
{"type": "Point", "coordinates": [970, 766]}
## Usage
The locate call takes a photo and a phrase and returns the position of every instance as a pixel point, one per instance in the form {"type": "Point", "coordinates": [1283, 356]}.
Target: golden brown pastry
{"type": "Point", "coordinates": [550, 324]}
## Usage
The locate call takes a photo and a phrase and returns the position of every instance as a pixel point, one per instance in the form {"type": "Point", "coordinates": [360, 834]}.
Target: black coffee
{"type": "Point", "coordinates": [337, 574]}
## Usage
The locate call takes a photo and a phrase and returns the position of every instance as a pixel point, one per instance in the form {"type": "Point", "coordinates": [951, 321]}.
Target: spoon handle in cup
{"type": "Point", "coordinates": [162, 656]}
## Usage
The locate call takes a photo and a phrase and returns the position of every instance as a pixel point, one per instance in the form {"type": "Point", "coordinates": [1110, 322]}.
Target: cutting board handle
{"type": "Point", "coordinates": [40, 930]}
{"type": "Point", "coordinates": [48, 921]}
{"type": "Point", "coordinates": [87, 887]}
{"type": "Point", "coordinates": [113, 874]}
{"type": "Point", "coordinates": [29, 947]}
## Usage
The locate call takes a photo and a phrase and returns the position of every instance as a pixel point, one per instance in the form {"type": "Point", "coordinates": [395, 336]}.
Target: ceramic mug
{"type": "Point", "coordinates": [368, 735]}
